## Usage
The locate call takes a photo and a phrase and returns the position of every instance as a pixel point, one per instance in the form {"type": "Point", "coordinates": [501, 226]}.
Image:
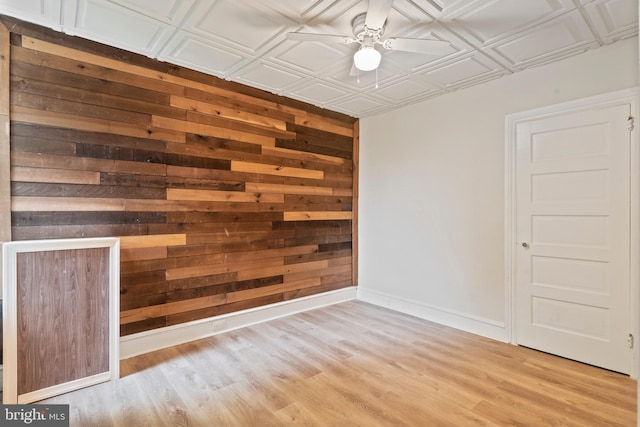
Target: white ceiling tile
{"type": "Point", "coordinates": [311, 57]}
{"type": "Point", "coordinates": [218, 20]}
{"type": "Point", "coordinates": [299, 10]}
{"type": "Point", "coordinates": [338, 14]}
{"type": "Point", "coordinates": [359, 105]}
{"type": "Point", "coordinates": [267, 76]}
{"type": "Point", "coordinates": [201, 55]}
{"type": "Point", "coordinates": [471, 67]}
{"type": "Point", "coordinates": [42, 12]}
{"type": "Point", "coordinates": [362, 81]}
{"type": "Point", "coordinates": [403, 18]}
{"type": "Point", "coordinates": [561, 36]}
{"type": "Point", "coordinates": [400, 91]}
{"type": "Point", "coordinates": [169, 11]}
{"type": "Point", "coordinates": [318, 92]}
{"type": "Point", "coordinates": [112, 24]}
{"type": "Point", "coordinates": [614, 18]}
{"type": "Point", "coordinates": [490, 20]}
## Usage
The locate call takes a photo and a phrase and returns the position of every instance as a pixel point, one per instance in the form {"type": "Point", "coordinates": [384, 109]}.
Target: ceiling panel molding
{"type": "Point", "coordinates": [614, 19]}
{"type": "Point", "coordinates": [319, 92]}
{"type": "Point", "coordinates": [191, 51]}
{"type": "Point", "coordinates": [245, 41]}
{"type": "Point", "coordinates": [472, 67]}
{"type": "Point", "coordinates": [218, 21]}
{"type": "Point", "coordinates": [269, 76]}
{"type": "Point", "coordinates": [171, 12]}
{"type": "Point", "coordinates": [112, 24]}
{"type": "Point", "coordinates": [487, 22]}
{"type": "Point", "coordinates": [561, 37]}
{"type": "Point", "coordinates": [47, 13]}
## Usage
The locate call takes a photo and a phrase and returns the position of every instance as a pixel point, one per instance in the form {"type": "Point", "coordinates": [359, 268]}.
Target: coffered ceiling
{"type": "Point", "coordinates": [245, 41]}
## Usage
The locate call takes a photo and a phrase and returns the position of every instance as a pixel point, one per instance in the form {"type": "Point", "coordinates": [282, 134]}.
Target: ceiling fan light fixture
{"type": "Point", "coordinates": [367, 58]}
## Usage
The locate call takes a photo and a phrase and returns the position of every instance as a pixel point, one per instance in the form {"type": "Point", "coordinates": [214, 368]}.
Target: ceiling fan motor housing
{"type": "Point", "coordinates": [362, 32]}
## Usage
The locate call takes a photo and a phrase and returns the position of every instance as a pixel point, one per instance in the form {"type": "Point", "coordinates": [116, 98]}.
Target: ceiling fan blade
{"type": "Point", "coordinates": [435, 5]}
{"type": "Point", "coordinates": [377, 13]}
{"type": "Point", "coordinates": [430, 47]}
{"type": "Point", "coordinates": [354, 71]}
{"type": "Point", "coordinates": [326, 38]}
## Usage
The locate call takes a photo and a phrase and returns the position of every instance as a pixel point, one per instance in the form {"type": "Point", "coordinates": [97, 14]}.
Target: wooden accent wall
{"type": "Point", "coordinates": [225, 197]}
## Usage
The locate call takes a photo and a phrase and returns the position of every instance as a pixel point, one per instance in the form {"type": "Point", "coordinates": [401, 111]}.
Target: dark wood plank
{"type": "Point", "coordinates": [49, 133]}
{"type": "Point", "coordinates": [78, 231]}
{"type": "Point", "coordinates": [318, 149]}
{"type": "Point", "coordinates": [27, 219]}
{"type": "Point", "coordinates": [22, 83]}
{"type": "Point", "coordinates": [32, 65]}
{"type": "Point", "coordinates": [78, 190]}
{"type": "Point", "coordinates": [42, 146]}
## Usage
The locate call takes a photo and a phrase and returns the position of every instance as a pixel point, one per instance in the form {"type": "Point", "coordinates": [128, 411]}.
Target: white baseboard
{"type": "Point", "coordinates": [156, 339]}
{"type": "Point", "coordinates": [465, 322]}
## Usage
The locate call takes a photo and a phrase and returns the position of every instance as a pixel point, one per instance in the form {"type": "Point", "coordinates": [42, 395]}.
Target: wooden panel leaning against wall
{"type": "Point", "coordinates": [225, 197]}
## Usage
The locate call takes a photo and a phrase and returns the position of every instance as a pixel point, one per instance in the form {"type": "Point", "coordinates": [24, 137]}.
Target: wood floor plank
{"type": "Point", "coordinates": [354, 364]}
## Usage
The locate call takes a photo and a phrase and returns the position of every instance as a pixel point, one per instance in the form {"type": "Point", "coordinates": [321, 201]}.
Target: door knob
{"type": "Point", "coordinates": [525, 245]}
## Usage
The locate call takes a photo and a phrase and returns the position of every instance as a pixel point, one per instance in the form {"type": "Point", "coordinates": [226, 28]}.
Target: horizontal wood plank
{"type": "Point", "coordinates": [316, 216]}
{"type": "Point", "coordinates": [150, 241]}
{"type": "Point", "coordinates": [223, 196]}
{"type": "Point", "coordinates": [237, 166]}
{"type": "Point", "coordinates": [26, 174]}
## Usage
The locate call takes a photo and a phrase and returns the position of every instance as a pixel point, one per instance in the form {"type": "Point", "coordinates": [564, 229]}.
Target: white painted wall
{"type": "Point", "coordinates": [432, 189]}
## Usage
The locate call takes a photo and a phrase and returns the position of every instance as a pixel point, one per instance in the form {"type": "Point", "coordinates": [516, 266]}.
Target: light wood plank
{"type": "Point", "coordinates": [346, 192]}
{"type": "Point", "coordinates": [150, 241]}
{"type": "Point", "coordinates": [153, 311]}
{"type": "Point", "coordinates": [259, 187]}
{"type": "Point", "coordinates": [225, 112]}
{"type": "Point", "coordinates": [54, 175]}
{"type": "Point", "coordinates": [261, 168]}
{"type": "Point", "coordinates": [223, 196]}
{"type": "Point", "coordinates": [325, 124]}
{"type": "Point", "coordinates": [299, 276]}
{"type": "Point", "coordinates": [46, 161]}
{"type": "Point", "coordinates": [282, 270]}
{"type": "Point", "coordinates": [354, 202]}
{"type": "Point", "coordinates": [5, 138]}
{"type": "Point", "coordinates": [302, 155]}
{"type": "Point", "coordinates": [301, 284]}
{"type": "Point", "coordinates": [208, 130]}
{"type": "Point", "coordinates": [65, 204]}
{"type": "Point", "coordinates": [211, 269]}
{"type": "Point", "coordinates": [141, 254]}
{"type": "Point", "coordinates": [49, 118]}
{"type": "Point", "coordinates": [5, 69]}
{"type": "Point", "coordinates": [317, 216]}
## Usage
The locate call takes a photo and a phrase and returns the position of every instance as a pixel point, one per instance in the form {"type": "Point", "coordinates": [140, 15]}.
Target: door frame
{"type": "Point", "coordinates": [626, 96]}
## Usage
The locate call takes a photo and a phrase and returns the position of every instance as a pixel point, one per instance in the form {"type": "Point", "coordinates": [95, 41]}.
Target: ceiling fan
{"type": "Point", "coordinates": [368, 29]}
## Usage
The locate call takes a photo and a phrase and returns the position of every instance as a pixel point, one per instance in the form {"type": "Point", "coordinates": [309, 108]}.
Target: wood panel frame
{"type": "Point", "coordinates": [5, 158]}
{"type": "Point", "coordinates": [10, 253]}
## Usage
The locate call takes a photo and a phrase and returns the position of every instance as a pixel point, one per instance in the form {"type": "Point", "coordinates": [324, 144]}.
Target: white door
{"type": "Point", "coordinates": [572, 258]}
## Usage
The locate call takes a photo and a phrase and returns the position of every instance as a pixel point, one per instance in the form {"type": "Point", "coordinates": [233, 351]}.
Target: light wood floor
{"type": "Point", "coordinates": [354, 364]}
